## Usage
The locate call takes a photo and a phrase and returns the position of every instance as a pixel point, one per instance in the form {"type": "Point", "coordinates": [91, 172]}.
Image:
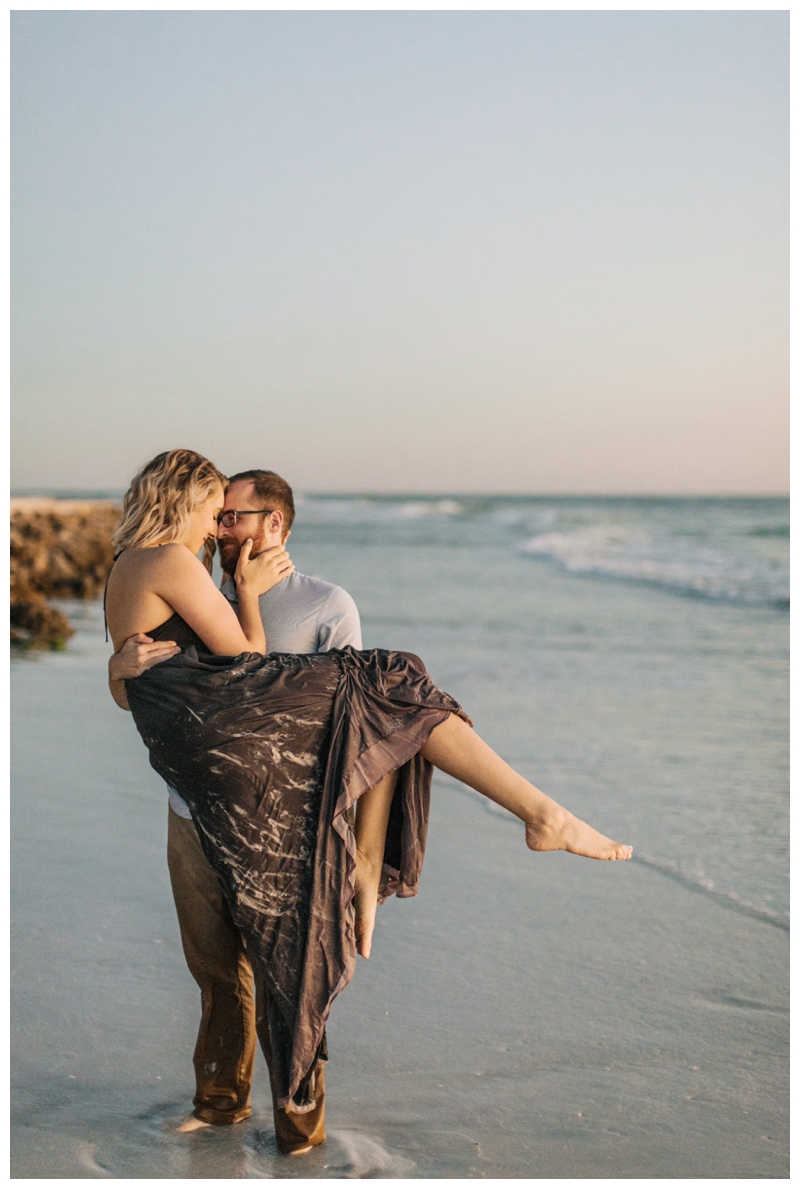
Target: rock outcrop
{"type": "Point", "coordinates": [59, 549]}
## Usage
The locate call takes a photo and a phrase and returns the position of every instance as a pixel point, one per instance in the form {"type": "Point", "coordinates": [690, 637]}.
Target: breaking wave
{"type": "Point", "coordinates": [676, 564]}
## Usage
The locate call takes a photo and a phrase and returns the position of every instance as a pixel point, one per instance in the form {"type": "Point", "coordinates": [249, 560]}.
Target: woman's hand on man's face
{"type": "Point", "coordinates": [138, 654]}
{"type": "Point", "coordinates": [258, 574]}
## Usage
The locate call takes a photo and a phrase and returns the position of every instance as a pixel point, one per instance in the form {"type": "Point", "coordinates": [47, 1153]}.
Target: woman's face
{"type": "Point", "coordinates": [203, 521]}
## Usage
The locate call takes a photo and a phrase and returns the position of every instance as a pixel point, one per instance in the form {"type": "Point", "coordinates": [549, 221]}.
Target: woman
{"type": "Point", "coordinates": [272, 753]}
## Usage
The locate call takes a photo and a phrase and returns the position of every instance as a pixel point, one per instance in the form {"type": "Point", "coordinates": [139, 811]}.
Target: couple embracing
{"type": "Point", "coordinates": [299, 770]}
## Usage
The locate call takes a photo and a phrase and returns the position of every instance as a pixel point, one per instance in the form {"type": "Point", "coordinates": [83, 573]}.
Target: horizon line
{"type": "Point", "coordinates": [106, 492]}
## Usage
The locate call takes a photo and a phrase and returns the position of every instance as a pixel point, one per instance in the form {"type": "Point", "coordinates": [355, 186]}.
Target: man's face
{"type": "Point", "coordinates": [265, 530]}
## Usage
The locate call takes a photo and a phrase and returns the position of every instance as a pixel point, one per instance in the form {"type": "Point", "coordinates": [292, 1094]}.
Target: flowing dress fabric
{"type": "Point", "coordinates": [269, 753]}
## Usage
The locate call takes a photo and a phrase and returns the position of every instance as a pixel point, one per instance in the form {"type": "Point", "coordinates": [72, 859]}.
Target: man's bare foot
{"type": "Point", "coordinates": [300, 1151]}
{"type": "Point", "coordinates": [191, 1123]}
{"type": "Point", "coordinates": [563, 831]}
{"type": "Point", "coordinates": [365, 901]}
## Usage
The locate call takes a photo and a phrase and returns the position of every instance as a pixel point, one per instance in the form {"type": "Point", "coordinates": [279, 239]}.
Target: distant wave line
{"type": "Point", "coordinates": [726, 899]}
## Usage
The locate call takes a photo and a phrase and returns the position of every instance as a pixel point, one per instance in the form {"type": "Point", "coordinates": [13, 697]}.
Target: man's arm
{"type": "Point", "coordinates": [137, 654]}
{"type": "Point", "coordinates": [118, 693]}
{"type": "Point", "coordinates": [339, 623]}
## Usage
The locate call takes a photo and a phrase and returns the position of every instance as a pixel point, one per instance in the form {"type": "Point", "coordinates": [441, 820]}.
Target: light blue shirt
{"type": "Point", "coordinates": [300, 614]}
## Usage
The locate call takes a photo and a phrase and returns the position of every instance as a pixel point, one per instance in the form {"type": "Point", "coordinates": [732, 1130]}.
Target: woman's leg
{"type": "Point", "coordinates": [456, 749]}
{"type": "Point", "coordinates": [372, 820]}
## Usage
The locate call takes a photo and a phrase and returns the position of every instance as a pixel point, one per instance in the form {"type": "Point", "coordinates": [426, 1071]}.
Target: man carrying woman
{"type": "Point", "coordinates": [299, 614]}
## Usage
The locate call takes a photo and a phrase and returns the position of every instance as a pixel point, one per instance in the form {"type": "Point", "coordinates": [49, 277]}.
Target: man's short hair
{"type": "Point", "coordinates": [271, 492]}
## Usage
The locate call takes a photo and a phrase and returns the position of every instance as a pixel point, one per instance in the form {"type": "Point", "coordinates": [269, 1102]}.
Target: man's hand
{"type": "Point", "coordinates": [138, 654]}
{"type": "Point", "coordinates": [261, 571]}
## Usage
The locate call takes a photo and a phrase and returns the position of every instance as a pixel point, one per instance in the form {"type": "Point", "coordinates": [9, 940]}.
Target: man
{"type": "Point", "coordinates": [300, 614]}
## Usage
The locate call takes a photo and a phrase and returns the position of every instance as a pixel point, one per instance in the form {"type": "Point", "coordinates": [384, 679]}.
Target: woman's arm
{"type": "Point", "coordinates": [248, 590]}
{"type": "Point", "coordinates": [186, 586]}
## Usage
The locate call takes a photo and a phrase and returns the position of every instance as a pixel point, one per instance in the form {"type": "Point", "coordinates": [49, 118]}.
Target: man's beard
{"type": "Point", "coordinates": [229, 549]}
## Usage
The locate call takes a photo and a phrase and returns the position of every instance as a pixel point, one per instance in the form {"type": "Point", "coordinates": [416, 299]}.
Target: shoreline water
{"type": "Point", "coordinates": [547, 1016]}
{"type": "Point", "coordinates": [540, 1021]}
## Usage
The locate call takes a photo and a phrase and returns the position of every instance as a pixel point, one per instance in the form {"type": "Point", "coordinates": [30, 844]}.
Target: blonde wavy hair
{"type": "Point", "coordinates": [162, 495]}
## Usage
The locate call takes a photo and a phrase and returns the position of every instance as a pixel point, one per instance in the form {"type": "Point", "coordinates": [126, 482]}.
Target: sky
{"type": "Point", "coordinates": [451, 251]}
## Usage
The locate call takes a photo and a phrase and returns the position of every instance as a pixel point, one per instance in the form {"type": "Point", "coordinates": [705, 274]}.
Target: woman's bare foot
{"type": "Point", "coordinates": [563, 831]}
{"type": "Point", "coordinates": [365, 901]}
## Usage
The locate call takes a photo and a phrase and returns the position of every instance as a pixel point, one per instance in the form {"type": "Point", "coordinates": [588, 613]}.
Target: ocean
{"type": "Point", "coordinates": [627, 655]}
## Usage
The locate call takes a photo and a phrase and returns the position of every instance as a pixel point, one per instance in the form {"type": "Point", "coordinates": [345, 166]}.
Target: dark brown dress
{"type": "Point", "coordinates": [269, 753]}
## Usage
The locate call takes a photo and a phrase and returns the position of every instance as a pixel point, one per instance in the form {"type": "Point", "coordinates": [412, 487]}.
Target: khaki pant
{"type": "Point", "coordinates": [233, 1000]}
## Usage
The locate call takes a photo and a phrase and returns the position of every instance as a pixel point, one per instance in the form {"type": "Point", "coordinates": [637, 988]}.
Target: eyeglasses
{"type": "Point", "coordinates": [228, 519]}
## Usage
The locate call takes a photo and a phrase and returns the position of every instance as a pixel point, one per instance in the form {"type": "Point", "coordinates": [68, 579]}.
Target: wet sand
{"type": "Point", "coordinates": [526, 1016]}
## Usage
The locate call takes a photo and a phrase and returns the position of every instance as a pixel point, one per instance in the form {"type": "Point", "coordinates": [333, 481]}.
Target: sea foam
{"type": "Point", "coordinates": [680, 565]}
